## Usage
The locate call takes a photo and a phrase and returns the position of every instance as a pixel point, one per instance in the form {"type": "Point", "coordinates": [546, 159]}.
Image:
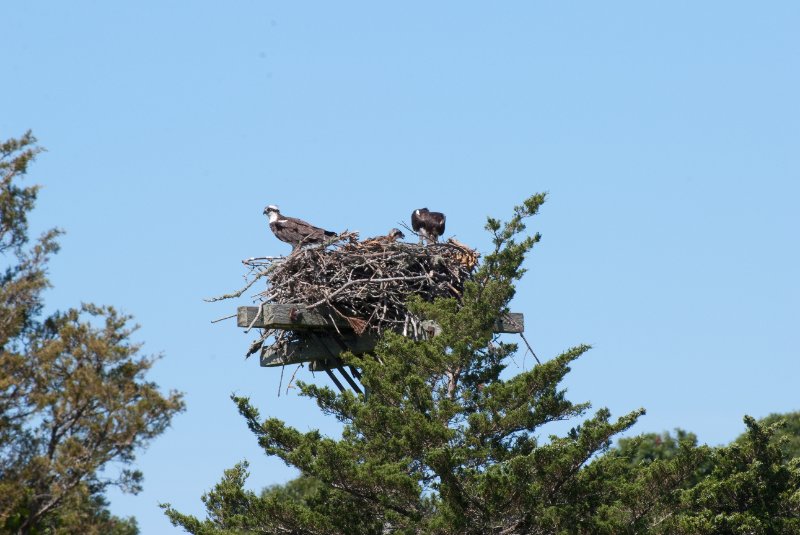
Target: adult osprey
{"type": "Point", "coordinates": [429, 225]}
{"type": "Point", "coordinates": [294, 231]}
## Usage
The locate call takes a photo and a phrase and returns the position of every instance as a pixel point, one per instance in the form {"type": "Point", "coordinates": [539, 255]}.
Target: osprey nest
{"type": "Point", "coordinates": [367, 283]}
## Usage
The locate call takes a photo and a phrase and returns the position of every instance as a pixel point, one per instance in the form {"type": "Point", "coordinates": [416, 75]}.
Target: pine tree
{"type": "Point", "coordinates": [446, 442]}
{"type": "Point", "coordinates": [753, 488]}
{"type": "Point", "coordinates": [74, 399]}
{"type": "Point", "coordinates": [787, 432]}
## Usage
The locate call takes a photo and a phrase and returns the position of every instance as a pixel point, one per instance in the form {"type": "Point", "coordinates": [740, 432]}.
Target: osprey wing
{"type": "Point", "coordinates": [437, 222]}
{"type": "Point", "coordinates": [305, 232]}
{"type": "Point", "coordinates": [417, 220]}
{"type": "Point", "coordinates": [286, 231]}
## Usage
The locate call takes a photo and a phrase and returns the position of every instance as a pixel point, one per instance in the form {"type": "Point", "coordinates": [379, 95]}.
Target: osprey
{"type": "Point", "coordinates": [393, 236]}
{"type": "Point", "coordinates": [429, 225]}
{"type": "Point", "coordinates": [294, 231]}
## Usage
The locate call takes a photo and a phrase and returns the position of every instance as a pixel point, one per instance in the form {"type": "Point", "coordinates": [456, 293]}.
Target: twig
{"type": "Point", "coordinates": [258, 315]}
{"type": "Point", "coordinates": [248, 261]}
{"type": "Point", "coordinates": [236, 294]}
{"type": "Point", "coordinates": [289, 384]}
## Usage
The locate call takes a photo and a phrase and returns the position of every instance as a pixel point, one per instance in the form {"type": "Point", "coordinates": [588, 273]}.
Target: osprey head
{"type": "Point", "coordinates": [272, 213]}
{"type": "Point", "coordinates": [396, 234]}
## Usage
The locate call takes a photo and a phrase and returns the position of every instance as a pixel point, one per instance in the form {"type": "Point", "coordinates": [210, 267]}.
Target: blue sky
{"type": "Point", "coordinates": [666, 134]}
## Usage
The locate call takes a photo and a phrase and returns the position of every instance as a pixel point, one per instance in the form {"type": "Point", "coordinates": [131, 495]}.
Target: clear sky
{"type": "Point", "coordinates": [667, 134]}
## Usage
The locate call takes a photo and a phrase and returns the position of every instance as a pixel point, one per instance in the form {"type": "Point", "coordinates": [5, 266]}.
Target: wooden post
{"type": "Point", "coordinates": [334, 379]}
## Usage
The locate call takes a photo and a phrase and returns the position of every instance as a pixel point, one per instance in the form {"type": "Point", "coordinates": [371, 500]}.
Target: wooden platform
{"type": "Point", "coordinates": [294, 317]}
{"type": "Point", "coordinates": [298, 317]}
{"type": "Point", "coordinates": [323, 336]}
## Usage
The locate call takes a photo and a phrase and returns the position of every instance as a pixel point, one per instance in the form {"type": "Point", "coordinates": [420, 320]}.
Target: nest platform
{"type": "Point", "coordinates": [340, 296]}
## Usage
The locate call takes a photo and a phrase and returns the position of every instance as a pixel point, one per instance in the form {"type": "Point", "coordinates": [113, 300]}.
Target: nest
{"type": "Point", "coordinates": [368, 283]}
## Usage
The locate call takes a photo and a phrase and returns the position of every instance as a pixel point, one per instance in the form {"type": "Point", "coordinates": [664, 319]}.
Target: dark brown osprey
{"type": "Point", "coordinates": [429, 225]}
{"type": "Point", "coordinates": [294, 231]}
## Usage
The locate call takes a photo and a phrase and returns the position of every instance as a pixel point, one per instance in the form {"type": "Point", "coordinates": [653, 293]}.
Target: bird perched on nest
{"type": "Point", "coordinates": [394, 235]}
{"type": "Point", "coordinates": [429, 225]}
{"type": "Point", "coordinates": [293, 231]}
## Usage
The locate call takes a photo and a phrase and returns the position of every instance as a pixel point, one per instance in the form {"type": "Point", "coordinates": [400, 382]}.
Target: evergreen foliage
{"type": "Point", "coordinates": [787, 431]}
{"type": "Point", "coordinates": [74, 399]}
{"type": "Point", "coordinates": [442, 444]}
{"type": "Point", "coordinates": [751, 489]}
{"type": "Point", "coordinates": [446, 443]}
{"type": "Point", "coordinates": [649, 447]}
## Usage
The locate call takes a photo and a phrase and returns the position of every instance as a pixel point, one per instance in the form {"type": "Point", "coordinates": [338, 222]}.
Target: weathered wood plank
{"type": "Point", "coordinates": [321, 365]}
{"type": "Point", "coordinates": [298, 317]}
{"type": "Point", "coordinates": [320, 347]}
{"type": "Point", "coordinates": [295, 317]}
